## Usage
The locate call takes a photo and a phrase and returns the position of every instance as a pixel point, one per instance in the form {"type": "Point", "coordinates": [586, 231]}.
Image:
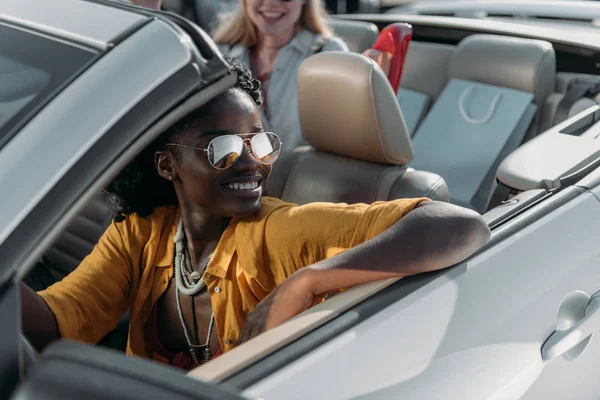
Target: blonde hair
{"type": "Point", "coordinates": [237, 28]}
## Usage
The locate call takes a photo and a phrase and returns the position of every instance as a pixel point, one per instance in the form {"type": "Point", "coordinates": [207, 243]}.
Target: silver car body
{"type": "Point", "coordinates": [474, 331]}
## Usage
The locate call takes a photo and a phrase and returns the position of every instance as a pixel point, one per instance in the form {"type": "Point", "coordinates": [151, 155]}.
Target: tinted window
{"type": "Point", "coordinates": [32, 69]}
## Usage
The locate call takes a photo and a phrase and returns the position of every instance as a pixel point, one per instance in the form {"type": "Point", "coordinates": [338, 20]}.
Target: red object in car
{"type": "Point", "coordinates": [394, 39]}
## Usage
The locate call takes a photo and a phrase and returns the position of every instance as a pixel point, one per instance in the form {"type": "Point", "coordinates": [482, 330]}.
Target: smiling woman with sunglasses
{"type": "Point", "coordinates": [204, 262]}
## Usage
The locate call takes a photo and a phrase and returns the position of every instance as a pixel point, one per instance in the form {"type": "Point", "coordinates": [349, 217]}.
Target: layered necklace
{"type": "Point", "coordinates": [190, 283]}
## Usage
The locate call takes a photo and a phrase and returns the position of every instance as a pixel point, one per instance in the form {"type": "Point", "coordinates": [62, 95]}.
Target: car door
{"type": "Point", "coordinates": [477, 330]}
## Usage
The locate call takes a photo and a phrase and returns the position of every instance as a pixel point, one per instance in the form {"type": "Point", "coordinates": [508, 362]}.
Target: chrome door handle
{"type": "Point", "coordinates": [562, 341]}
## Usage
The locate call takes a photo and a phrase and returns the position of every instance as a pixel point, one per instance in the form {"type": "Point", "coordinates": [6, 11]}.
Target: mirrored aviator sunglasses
{"type": "Point", "coordinates": [224, 151]}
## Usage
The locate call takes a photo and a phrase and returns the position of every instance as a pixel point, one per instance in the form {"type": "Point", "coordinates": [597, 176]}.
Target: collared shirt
{"type": "Point", "coordinates": [282, 92]}
{"type": "Point", "coordinates": [133, 262]}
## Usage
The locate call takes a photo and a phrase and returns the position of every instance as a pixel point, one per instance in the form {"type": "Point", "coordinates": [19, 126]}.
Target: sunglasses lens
{"type": "Point", "coordinates": [223, 151]}
{"type": "Point", "coordinates": [266, 147]}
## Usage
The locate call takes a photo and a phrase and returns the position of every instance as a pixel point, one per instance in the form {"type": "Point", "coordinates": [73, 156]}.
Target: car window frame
{"type": "Point", "coordinates": [79, 57]}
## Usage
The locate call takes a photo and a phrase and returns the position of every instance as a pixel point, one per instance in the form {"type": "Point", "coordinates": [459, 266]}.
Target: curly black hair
{"type": "Point", "coordinates": [138, 188]}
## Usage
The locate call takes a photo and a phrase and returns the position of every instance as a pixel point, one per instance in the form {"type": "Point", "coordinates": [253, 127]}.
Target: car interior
{"type": "Point", "coordinates": [362, 150]}
{"type": "Point", "coordinates": [429, 66]}
{"type": "Point", "coordinates": [371, 160]}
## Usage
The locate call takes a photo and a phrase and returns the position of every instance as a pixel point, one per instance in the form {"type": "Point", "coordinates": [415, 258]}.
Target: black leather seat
{"type": "Point", "coordinates": [78, 239]}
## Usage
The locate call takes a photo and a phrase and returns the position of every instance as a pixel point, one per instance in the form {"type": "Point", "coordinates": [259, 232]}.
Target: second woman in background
{"type": "Point", "coordinates": [274, 37]}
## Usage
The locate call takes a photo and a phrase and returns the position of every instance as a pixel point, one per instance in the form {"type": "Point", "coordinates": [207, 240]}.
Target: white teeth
{"type": "Point", "coordinates": [242, 186]}
{"type": "Point", "coordinates": [272, 15]}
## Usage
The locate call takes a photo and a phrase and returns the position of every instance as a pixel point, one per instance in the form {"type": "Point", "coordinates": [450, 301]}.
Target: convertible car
{"type": "Point", "coordinates": [494, 116]}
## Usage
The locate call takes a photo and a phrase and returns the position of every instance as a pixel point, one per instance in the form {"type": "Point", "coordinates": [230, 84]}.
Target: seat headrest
{"type": "Point", "coordinates": [358, 35]}
{"type": "Point", "coordinates": [348, 107]}
{"type": "Point", "coordinates": [523, 64]}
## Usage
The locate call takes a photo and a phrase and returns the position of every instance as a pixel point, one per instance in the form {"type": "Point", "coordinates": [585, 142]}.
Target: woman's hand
{"type": "Point", "coordinates": [289, 299]}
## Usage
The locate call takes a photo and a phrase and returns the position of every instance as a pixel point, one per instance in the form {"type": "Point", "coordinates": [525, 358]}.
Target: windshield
{"type": "Point", "coordinates": [30, 73]}
{"type": "Point", "coordinates": [573, 12]}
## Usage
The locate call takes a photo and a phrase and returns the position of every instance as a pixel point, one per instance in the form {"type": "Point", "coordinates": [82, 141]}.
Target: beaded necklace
{"type": "Point", "coordinates": [190, 283]}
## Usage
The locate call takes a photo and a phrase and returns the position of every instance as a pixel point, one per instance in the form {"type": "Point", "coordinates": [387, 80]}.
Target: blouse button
{"type": "Point", "coordinates": [227, 341]}
{"type": "Point", "coordinates": [217, 289]}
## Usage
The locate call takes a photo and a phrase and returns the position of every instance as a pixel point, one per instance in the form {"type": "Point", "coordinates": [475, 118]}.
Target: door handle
{"type": "Point", "coordinates": [562, 341]}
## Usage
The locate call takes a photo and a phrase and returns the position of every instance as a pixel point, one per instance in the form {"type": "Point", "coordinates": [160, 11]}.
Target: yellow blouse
{"type": "Point", "coordinates": [131, 265]}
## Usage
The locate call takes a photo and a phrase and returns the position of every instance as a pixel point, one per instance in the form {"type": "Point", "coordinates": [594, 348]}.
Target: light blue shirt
{"type": "Point", "coordinates": [282, 92]}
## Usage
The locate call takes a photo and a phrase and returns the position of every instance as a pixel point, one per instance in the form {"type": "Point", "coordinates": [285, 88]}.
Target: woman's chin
{"type": "Point", "coordinates": [274, 28]}
{"type": "Point", "coordinates": [244, 209]}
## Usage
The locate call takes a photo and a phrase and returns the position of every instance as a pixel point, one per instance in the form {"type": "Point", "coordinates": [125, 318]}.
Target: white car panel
{"type": "Point", "coordinates": [475, 333]}
{"type": "Point", "coordinates": [571, 379]}
{"type": "Point", "coordinates": [596, 191]}
{"type": "Point", "coordinates": [268, 342]}
{"type": "Point", "coordinates": [68, 20]}
{"type": "Point", "coordinates": [82, 113]}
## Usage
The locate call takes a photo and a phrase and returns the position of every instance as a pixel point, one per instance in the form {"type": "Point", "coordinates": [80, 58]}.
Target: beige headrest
{"type": "Point", "coordinates": [518, 63]}
{"type": "Point", "coordinates": [358, 35]}
{"type": "Point", "coordinates": [347, 107]}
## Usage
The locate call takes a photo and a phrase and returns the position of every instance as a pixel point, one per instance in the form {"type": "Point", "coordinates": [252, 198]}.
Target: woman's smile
{"type": "Point", "coordinates": [271, 17]}
{"type": "Point", "coordinates": [245, 185]}
{"type": "Point", "coordinates": [242, 186]}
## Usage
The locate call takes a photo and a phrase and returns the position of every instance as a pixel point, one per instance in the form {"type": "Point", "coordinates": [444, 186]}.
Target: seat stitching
{"type": "Point", "coordinates": [435, 187]}
{"type": "Point", "coordinates": [374, 109]}
{"type": "Point", "coordinates": [375, 189]}
{"type": "Point", "coordinates": [380, 178]}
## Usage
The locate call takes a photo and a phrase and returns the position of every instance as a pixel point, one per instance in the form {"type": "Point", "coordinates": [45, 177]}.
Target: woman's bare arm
{"type": "Point", "coordinates": [433, 236]}
{"type": "Point", "coordinates": [38, 322]}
